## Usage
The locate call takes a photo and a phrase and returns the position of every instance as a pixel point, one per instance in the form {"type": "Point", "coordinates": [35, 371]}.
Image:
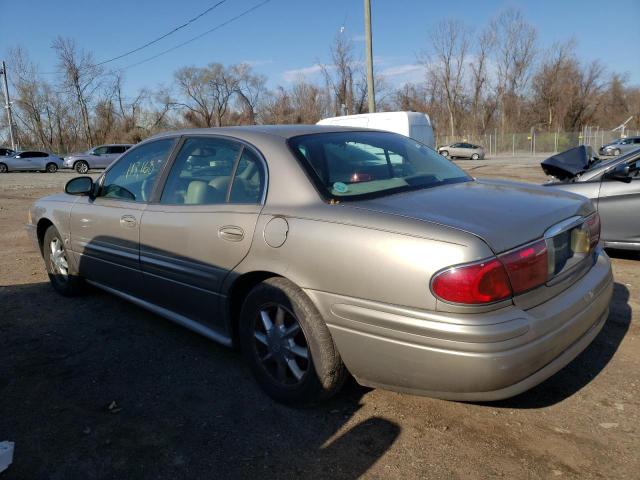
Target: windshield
{"type": "Point", "coordinates": [349, 165]}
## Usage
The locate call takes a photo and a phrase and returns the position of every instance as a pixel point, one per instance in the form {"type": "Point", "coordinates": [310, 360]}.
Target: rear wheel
{"type": "Point", "coordinates": [3, 168]}
{"type": "Point", "coordinates": [287, 344]}
{"type": "Point", "coordinates": [475, 156]}
{"type": "Point", "coordinates": [51, 168]}
{"type": "Point", "coordinates": [81, 167]}
{"type": "Point", "coordinates": [64, 279]}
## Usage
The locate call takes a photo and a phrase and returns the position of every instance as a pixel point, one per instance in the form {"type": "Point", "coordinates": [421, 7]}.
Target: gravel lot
{"type": "Point", "coordinates": [188, 408]}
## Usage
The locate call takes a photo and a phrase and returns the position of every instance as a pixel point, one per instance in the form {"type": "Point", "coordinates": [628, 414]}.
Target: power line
{"type": "Point", "coordinates": [193, 39]}
{"type": "Point", "coordinates": [188, 22]}
{"type": "Point", "coordinates": [197, 37]}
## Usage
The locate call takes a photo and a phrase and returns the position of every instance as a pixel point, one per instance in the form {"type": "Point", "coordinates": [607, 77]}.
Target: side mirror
{"type": "Point", "coordinates": [621, 173]}
{"type": "Point", "coordinates": [79, 186]}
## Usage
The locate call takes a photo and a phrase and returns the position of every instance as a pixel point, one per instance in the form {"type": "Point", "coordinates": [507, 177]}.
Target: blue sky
{"type": "Point", "coordinates": [286, 38]}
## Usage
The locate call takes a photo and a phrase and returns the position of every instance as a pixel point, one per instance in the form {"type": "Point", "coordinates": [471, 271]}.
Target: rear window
{"type": "Point", "coordinates": [353, 165]}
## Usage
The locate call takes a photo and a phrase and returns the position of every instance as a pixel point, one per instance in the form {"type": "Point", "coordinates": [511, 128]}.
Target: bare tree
{"type": "Point", "coordinates": [82, 78]}
{"type": "Point", "coordinates": [445, 64]}
{"type": "Point", "coordinates": [514, 55]}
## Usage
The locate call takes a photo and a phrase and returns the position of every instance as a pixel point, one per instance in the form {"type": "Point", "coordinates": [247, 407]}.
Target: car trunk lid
{"type": "Point", "coordinates": [503, 214]}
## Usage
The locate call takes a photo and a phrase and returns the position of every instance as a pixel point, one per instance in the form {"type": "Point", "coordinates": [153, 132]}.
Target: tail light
{"type": "Point", "coordinates": [483, 282]}
{"type": "Point", "coordinates": [527, 266]}
{"type": "Point", "coordinates": [494, 279]}
{"type": "Point", "coordinates": [593, 222]}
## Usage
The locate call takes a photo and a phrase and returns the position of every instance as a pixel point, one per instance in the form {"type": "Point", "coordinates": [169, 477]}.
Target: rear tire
{"type": "Point", "coordinates": [81, 167]}
{"type": "Point", "coordinates": [288, 345]}
{"type": "Point", "coordinates": [475, 156]}
{"type": "Point", "coordinates": [63, 277]}
{"type": "Point", "coordinates": [51, 168]}
{"type": "Point", "coordinates": [3, 168]}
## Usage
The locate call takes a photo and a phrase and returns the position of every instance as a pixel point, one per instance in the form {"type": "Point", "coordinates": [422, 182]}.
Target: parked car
{"type": "Point", "coordinates": [620, 146]}
{"type": "Point", "coordinates": [318, 262]}
{"type": "Point", "coordinates": [98, 157]}
{"type": "Point", "coordinates": [30, 160]}
{"type": "Point", "coordinates": [613, 185]}
{"type": "Point", "coordinates": [414, 125]}
{"type": "Point", "coordinates": [6, 152]}
{"type": "Point", "coordinates": [462, 150]}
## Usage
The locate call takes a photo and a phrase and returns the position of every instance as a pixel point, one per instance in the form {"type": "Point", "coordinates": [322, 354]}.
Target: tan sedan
{"type": "Point", "coordinates": [323, 251]}
{"type": "Point", "coordinates": [462, 150]}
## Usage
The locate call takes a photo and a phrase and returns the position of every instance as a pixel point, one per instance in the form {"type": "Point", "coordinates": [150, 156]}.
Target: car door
{"type": "Point", "coordinates": [618, 205]}
{"type": "Point", "coordinates": [105, 228]}
{"type": "Point", "coordinates": [23, 161]}
{"type": "Point", "coordinates": [113, 152]}
{"type": "Point", "coordinates": [201, 226]}
{"type": "Point", "coordinates": [100, 157]}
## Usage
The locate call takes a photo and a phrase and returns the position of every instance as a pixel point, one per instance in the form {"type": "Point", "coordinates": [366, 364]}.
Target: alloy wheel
{"type": "Point", "coordinates": [52, 168]}
{"type": "Point", "coordinates": [82, 167]}
{"type": "Point", "coordinates": [3, 168]}
{"type": "Point", "coordinates": [281, 346]}
{"type": "Point", "coordinates": [58, 259]}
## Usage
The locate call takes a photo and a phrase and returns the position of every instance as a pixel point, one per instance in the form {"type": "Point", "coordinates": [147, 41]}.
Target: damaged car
{"type": "Point", "coordinates": [612, 185]}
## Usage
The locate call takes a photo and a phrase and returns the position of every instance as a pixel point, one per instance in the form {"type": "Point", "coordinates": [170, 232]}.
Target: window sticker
{"type": "Point", "coordinates": [340, 187]}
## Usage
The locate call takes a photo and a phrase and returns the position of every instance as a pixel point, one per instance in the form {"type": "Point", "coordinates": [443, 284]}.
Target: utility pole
{"type": "Point", "coordinates": [371, 95]}
{"type": "Point", "coordinates": [8, 104]}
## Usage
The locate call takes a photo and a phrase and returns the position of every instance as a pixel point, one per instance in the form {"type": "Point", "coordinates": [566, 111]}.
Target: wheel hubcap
{"type": "Point", "coordinates": [281, 345]}
{"type": "Point", "coordinates": [82, 168]}
{"type": "Point", "coordinates": [58, 258]}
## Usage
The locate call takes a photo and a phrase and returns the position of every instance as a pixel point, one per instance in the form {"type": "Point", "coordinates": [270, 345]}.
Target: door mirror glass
{"type": "Point", "coordinates": [79, 186]}
{"type": "Point", "coordinates": [621, 173]}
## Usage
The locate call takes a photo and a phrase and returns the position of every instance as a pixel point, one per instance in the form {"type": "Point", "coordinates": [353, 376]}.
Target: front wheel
{"type": "Point", "coordinates": [287, 344]}
{"type": "Point", "coordinates": [81, 167]}
{"type": "Point", "coordinates": [475, 156]}
{"type": "Point", "coordinates": [444, 153]}
{"type": "Point", "coordinates": [3, 168]}
{"type": "Point", "coordinates": [51, 168]}
{"type": "Point", "coordinates": [616, 151]}
{"type": "Point", "coordinates": [64, 279]}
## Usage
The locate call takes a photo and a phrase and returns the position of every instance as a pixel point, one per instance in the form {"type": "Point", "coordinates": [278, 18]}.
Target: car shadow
{"type": "Point", "coordinates": [585, 367]}
{"type": "Point", "coordinates": [95, 387]}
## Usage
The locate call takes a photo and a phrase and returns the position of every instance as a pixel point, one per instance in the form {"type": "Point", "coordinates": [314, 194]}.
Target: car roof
{"type": "Point", "coordinates": [282, 131]}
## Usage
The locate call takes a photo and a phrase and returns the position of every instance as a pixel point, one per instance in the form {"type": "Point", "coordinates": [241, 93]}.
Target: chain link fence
{"type": "Point", "coordinates": [534, 142]}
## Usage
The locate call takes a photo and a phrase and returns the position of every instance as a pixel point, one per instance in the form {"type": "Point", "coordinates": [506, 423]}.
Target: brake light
{"type": "Point", "coordinates": [593, 222]}
{"type": "Point", "coordinates": [527, 266]}
{"type": "Point", "coordinates": [483, 282]}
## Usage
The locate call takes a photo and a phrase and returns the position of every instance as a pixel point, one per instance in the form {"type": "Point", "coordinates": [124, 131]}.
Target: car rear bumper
{"type": "Point", "coordinates": [475, 357]}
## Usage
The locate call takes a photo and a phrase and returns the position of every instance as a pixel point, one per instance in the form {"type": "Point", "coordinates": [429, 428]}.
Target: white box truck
{"type": "Point", "coordinates": [410, 124]}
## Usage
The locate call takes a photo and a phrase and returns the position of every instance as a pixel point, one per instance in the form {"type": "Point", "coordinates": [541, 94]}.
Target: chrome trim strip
{"type": "Point", "coordinates": [563, 226]}
{"type": "Point", "coordinates": [169, 315]}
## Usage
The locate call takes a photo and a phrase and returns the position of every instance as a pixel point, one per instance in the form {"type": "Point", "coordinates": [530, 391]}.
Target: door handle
{"type": "Point", "coordinates": [231, 233]}
{"type": "Point", "coordinates": [128, 221]}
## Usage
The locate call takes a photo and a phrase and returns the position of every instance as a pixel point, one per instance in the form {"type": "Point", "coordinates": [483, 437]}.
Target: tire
{"type": "Point", "coordinates": [51, 168]}
{"type": "Point", "coordinates": [617, 152]}
{"type": "Point", "coordinates": [475, 156]}
{"type": "Point", "coordinates": [3, 168]}
{"type": "Point", "coordinates": [64, 279]}
{"type": "Point", "coordinates": [81, 167]}
{"type": "Point", "coordinates": [270, 352]}
{"type": "Point", "coordinates": [444, 153]}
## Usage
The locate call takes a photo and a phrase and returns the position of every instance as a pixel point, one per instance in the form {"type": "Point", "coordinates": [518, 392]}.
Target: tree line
{"type": "Point", "coordinates": [496, 78]}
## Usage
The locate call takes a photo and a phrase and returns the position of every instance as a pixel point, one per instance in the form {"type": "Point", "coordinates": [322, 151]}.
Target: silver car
{"type": "Point", "coordinates": [462, 150]}
{"type": "Point", "coordinates": [30, 161]}
{"type": "Point", "coordinates": [620, 146]}
{"type": "Point", "coordinates": [319, 258]}
{"type": "Point", "coordinates": [98, 157]}
{"type": "Point", "coordinates": [613, 185]}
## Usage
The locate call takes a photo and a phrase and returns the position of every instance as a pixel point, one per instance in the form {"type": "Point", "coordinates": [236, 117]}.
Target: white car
{"type": "Point", "coordinates": [30, 160]}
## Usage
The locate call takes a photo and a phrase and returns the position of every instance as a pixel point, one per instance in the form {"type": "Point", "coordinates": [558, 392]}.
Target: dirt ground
{"type": "Point", "coordinates": [188, 408]}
